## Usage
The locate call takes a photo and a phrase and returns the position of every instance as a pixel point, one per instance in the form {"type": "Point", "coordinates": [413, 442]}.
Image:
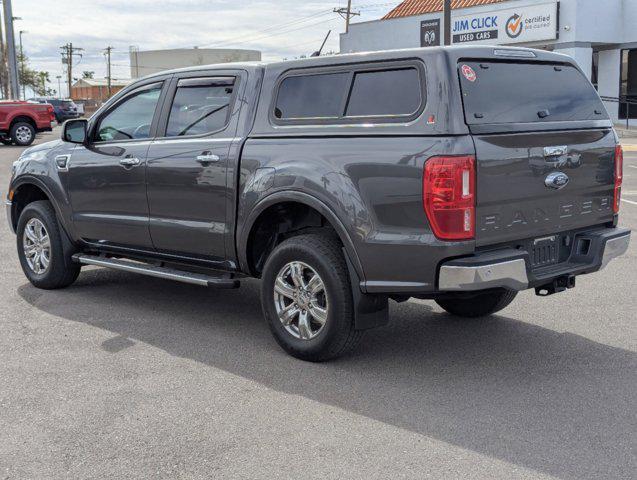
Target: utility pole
{"type": "Point", "coordinates": [11, 56]}
{"type": "Point", "coordinates": [347, 14]}
{"type": "Point", "coordinates": [108, 69]}
{"type": "Point", "coordinates": [68, 51]}
{"type": "Point", "coordinates": [4, 77]}
{"type": "Point", "coordinates": [24, 94]}
{"type": "Point", "coordinates": [447, 21]}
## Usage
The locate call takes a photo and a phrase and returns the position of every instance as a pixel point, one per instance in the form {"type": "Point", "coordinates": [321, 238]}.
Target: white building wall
{"type": "Point", "coordinates": [583, 55]}
{"type": "Point", "coordinates": [608, 81]}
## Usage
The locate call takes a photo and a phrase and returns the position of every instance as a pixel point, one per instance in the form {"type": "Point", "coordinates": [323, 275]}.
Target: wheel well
{"type": "Point", "coordinates": [278, 223]}
{"type": "Point", "coordinates": [24, 195]}
{"type": "Point", "coordinates": [28, 120]}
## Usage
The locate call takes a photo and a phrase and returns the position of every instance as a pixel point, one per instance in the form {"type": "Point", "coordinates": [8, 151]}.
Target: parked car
{"type": "Point", "coordinates": [340, 182]}
{"type": "Point", "coordinates": [64, 109]}
{"type": "Point", "coordinates": [20, 121]}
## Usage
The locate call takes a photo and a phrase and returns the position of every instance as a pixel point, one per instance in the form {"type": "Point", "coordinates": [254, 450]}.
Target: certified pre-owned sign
{"type": "Point", "coordinates": [508, 25]}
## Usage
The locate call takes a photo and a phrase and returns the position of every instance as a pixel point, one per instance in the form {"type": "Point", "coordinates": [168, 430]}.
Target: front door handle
{"type": "Point", "coordinates": [207, 157]}
{"type": "Point", "coordinates": [129, 162]}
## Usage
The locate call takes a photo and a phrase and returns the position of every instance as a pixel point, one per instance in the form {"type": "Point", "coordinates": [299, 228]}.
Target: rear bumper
{"type": "Point", "coordinates": [510, 268]}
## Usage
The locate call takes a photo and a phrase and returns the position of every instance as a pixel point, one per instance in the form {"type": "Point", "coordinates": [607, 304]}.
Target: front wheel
{"type": "Point", "coordinates": [307, 299]}
{"type": "Point", "coordinates": [40, 249]}
{"type": "Point", "coordinates": [23, 134]}
{"type": "Point", "coordinates": [477, 304]}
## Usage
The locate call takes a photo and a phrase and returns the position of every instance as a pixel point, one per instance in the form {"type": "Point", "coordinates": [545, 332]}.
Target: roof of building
{"type": "Point", "coordinates": [101, 82]}
{"type": "Point", "coordinates": [419, 7]}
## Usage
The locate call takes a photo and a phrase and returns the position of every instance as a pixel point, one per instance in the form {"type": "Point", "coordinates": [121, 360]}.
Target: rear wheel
{"type": "Point", "coordinates": [42, 255]}
{"type": "Point", "coordinates": [23, 134]}
{"type": "Point", "coordinates": [307, 299]}
{"type": "Point", "coordinates": [479, 304]}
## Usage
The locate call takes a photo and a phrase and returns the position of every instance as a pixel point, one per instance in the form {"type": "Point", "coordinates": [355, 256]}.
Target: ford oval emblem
{"type": "Point", "coordinates": [556, 180]}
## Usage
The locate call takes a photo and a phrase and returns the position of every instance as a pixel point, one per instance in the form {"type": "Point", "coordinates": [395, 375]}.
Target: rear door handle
{"type": "Point", "coordinates": [207, 157]}
{"type": "Point", "coordinates": [130, 161]}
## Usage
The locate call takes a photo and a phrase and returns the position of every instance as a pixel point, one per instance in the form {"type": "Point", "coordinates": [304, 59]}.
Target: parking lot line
{"type": "Point", "coordinates": [629, 148]}
{"type": "Point", "coordinates": [629, 201]}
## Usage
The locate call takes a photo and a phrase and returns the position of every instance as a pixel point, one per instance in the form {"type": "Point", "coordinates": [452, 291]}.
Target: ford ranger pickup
{"type": "Point", "coordinates": [462, 175]}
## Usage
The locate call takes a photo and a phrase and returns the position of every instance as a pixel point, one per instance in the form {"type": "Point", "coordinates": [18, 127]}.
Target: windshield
{"type": "Point", "coordinates": [508, 92]}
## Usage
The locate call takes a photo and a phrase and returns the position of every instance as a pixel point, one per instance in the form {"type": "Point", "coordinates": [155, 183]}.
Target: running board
{"type": "Point", "coordinates": [222, 281]}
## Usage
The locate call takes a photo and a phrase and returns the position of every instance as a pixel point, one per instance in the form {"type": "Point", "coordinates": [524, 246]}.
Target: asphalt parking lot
{"type": "Point", "coordinates": [123, 376]}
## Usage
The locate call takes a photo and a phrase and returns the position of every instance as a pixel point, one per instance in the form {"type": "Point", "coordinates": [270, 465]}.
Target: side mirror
{"type": "Point", "coordinates": [74, 131]}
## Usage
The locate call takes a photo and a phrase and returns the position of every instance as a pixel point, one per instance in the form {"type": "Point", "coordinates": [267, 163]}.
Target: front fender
{"type": "Point", "coordinates": [42, 173]}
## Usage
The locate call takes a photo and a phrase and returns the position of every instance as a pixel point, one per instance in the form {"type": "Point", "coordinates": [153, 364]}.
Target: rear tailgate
{"type": "Point", "coordinates": [545, 149]}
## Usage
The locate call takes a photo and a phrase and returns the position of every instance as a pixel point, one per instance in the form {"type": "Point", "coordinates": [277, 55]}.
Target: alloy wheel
{"type": "Point", "coordinates": [36, 245]}
{"type": "Point", "coordinates": [23, 134]}
{"type": "Point", "coordinates": [301, 300]}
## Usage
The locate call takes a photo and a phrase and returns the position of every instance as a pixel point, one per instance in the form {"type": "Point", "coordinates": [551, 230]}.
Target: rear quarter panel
{"type": "Point", "coordinates": [374, 187]}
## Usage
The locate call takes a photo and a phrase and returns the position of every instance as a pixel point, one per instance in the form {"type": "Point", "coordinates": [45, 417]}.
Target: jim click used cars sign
{"type": "Point", "coordinates": [507, 25]}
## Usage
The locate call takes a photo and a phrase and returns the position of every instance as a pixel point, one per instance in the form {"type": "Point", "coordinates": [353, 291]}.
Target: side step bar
{"type": "Point", "coordinates": [222, 281]}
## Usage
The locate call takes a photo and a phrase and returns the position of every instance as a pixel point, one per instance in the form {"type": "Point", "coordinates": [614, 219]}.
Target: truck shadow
{"type": "Point", "coordinates": [554, 402]}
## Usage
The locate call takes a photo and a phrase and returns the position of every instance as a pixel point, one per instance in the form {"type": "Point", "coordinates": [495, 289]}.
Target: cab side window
{"type": "Point", "coordinates": [131, 119]}
{"type": "Point", "coordinates": [200, 106]}
{"type": "Point", "coordinates": [367, 93]}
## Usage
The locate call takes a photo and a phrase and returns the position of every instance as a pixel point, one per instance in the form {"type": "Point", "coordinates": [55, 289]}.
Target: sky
{"type": "Point", "coordinates": [280, 29]}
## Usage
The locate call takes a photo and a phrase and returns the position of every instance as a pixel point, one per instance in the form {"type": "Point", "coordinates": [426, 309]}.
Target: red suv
{"type": "Point", "coordinates": [20, 121]}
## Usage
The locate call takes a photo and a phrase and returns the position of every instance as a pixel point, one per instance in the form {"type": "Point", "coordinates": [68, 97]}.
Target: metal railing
{"type": "Point", "coordinates": [630, 103]}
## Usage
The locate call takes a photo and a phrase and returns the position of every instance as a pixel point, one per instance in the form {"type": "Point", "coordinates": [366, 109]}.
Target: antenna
{"type": "Point", "coordinates": [318, 52]}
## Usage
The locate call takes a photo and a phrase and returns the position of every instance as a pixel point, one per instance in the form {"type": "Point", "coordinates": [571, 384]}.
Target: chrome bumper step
{"type": "Point", "coordinates": [221, 281]}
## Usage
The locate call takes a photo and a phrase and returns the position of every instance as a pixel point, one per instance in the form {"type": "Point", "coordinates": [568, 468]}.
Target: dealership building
{"type": "Point", "coordinates": [601, 35]}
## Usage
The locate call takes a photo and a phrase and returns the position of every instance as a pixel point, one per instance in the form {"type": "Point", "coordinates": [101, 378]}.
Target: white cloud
{"type": "Point", "coordinates": [280, 29]}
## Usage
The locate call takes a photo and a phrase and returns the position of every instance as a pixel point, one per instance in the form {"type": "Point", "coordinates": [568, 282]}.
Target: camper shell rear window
{"type": "Point", "coordinates": [499, 92]}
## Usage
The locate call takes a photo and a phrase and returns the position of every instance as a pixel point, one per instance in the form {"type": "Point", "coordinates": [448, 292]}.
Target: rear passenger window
{"type": "Point", "coordinates": [200, 106]}
{"type": "Point", "coordinates": [347, 96]}
{"type": "Point", "coordinates": [312, 96]}
{"type": "Point", "coordinates": [384, 93]}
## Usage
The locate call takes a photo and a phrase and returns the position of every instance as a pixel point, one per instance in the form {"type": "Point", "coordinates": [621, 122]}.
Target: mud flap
{"type": "Point", "coordinates": [370, 311]}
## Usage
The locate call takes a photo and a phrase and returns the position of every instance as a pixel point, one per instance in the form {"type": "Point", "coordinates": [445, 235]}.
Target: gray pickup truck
{"type": "Point", "coordinates": [461, 175]}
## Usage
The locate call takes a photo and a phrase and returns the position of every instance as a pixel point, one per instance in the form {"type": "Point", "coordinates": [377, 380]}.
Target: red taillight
{"type": "Point", "coordinates": [619, 174]}
{"type": "Point", "coordinates": [449, 185]}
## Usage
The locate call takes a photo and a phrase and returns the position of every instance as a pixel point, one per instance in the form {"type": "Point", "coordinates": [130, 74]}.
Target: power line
{"type": "Point", "coordinates": [283, 25]}
{"type": "Point", "coordinates": [283, 32]}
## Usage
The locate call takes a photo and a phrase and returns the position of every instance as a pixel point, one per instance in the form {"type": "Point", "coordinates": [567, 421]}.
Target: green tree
{"type": "Point", "coordinates": [88, 74]}
{"type": "Point", "coordinates": [33, 79]}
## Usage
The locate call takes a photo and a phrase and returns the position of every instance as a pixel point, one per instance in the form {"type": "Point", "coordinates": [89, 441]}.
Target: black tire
{"type": "Point", "coordinates": [479, 304]}
{"type": "Point", "coordinates": [20, 136]}
{"type": "Point", "coordinates": [323, 254]}
{"type": "Point", "coordinates": [61, 271]}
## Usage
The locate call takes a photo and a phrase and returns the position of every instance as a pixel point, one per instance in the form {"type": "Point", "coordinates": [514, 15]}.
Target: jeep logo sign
{"type": "Point", "coordinates": [556, 180]}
